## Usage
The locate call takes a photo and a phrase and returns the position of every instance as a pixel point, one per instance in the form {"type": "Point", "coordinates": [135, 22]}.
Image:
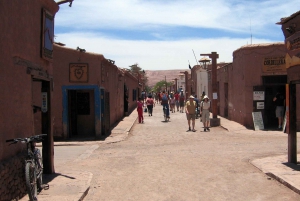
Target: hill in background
{"type": "Point", "coordinates": [155, 76]}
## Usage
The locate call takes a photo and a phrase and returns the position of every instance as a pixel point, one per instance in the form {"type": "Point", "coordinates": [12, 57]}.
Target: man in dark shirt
{"type": "Point", "coordinates": [279, 102]}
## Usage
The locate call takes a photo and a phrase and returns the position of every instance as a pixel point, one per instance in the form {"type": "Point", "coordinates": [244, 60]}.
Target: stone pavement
{"type": "Point", "coordinates": [74, 185]}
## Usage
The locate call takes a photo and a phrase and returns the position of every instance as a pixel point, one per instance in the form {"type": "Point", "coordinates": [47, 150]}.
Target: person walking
{"type": "Point", "coordinates": [172, 103]}
{"type": "Point", "coordinates": [165, 103]}
{"type": "Point", "coordinates": [204, 112]}
{"type": "Point", "coordinates": [181, 101]}
{"type": "Point", "coordinates": [140, 105]}
{"type": "Point", "coordinates": [150, 104]}
{"type": "Point", "coordinates": [176, 96]}
{"type": "Point", "coordinates": [190, 110]}
{"type": "Point", "coordinates": [279, 102]}
{"type": "Point", "coordinates": [202, 95]}
{"type": "Point", "coordinates": [197, 106]}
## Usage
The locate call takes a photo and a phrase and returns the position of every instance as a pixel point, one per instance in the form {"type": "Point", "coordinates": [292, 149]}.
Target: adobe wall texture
{"type": "Point", "coordinates": [101, 73]}
{"type": "Point", "coordinates": [246, 72]}
{"type": "Point", "coordinates": [20, 46]}
{"type": "Point", "coordinates": [222, 79]}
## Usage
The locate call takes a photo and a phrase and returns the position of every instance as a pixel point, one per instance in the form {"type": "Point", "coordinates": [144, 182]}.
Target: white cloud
{"type": "Point", "coordinates": [154, 55]}
{"type": "Point", "coordinates": [137, 14]}
{"type": "Point", "coordinates": [234, 16]}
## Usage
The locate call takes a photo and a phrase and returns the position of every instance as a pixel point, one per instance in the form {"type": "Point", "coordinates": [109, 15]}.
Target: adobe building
{"type": "Point", "coordinates": [250, 83]}
{"type": "Point", "coordinates": [291, 30]}
{"type": "Point", "coordinates": [90, 92]}
{"type": "Point", "coordinates": [26, 78]}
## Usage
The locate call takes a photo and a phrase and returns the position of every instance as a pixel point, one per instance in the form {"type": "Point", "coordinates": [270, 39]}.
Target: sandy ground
{"type": "Point", "coordinates": [162, 161]}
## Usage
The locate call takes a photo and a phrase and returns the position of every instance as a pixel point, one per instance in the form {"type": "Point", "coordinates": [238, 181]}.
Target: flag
{"type": "Point", "coordinates": [190, 67]}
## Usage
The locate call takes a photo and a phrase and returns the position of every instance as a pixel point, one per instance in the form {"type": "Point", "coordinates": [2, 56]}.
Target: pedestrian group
{"type": "Point", "coordinates": [173, 102]}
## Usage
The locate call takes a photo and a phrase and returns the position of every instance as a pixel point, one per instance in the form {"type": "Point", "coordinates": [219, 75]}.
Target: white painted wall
{"type": "Point", "coordinates": [202, 81]}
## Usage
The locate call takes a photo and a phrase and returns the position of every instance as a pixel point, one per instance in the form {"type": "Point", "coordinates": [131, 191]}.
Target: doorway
{"type": "Point", "coordinates": [272, 85]}
{"type": "Point", "coordinates": [81, 113]}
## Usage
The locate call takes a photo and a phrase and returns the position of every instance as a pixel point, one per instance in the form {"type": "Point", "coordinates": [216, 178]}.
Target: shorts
{"type": "Point", "coordinates": [190, 116]}
{"type": "Point", "coordinates": [177, 103]}
{"type": "Point", "coordinates": [279, 111]}
{"type": "Point", "coordinates": [181, 104]}
{"type": "Point", "coordinates": [205, 115]}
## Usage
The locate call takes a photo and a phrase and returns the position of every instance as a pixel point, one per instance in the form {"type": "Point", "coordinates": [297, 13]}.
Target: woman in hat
{"type": "Point", "coordinates": [204, 112]}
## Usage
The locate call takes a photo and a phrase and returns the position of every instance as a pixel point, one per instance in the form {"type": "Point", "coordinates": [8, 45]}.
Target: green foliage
{"type": "Point", "coordinates": [135, 70]}
{"type": "Point", "coordinates": [161, 86]}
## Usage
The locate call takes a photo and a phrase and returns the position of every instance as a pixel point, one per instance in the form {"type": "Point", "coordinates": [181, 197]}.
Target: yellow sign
{"type": "Point", "coordinates": [78, 72]}
{"type": "Point", "coordinates": [274, 64]}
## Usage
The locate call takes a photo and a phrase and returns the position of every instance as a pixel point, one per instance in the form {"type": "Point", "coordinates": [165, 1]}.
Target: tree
{"type": "Point", "coordinates": [135, 70]}
{"type": "Point", "coordinates": [162, 85]}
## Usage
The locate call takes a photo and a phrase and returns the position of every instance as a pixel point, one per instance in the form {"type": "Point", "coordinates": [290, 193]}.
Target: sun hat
{"type": "Point", "coordinates": [192, 96]}
{"type": "Point", "coordinates": [205, 97]}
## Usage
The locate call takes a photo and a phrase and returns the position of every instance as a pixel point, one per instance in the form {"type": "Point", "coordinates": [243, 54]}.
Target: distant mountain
{"type": "Point", "coordinates": [155, 76]}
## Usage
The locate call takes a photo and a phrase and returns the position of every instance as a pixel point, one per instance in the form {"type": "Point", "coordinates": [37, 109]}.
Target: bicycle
{"type": "Point", "coordinates": [33, 165]}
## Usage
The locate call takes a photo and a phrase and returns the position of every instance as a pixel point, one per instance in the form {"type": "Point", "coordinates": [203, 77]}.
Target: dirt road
{"type": "Point", "coordinates": [162, 161]}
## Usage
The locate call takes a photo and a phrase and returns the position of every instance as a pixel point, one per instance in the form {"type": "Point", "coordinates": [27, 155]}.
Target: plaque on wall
{"type": "Point", "coordinates": [78, 72]}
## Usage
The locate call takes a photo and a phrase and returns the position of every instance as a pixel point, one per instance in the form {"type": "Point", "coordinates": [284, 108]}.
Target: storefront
{"type": "Point", "coordinates": [257, 73]}
{"type": "Point", "coordinates": [291, 30]}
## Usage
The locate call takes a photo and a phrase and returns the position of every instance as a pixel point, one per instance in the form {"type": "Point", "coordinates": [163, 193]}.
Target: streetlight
{"type": "Point", "coordinates": [204, 60]}
{"type": "Point", "coordinates": [214, 56]}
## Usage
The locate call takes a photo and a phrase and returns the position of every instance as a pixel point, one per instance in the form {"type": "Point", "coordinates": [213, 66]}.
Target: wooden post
{"type": "Point", "coordinates": [291, 124]}
{"type": "Point", "coordinates": [47, 143]}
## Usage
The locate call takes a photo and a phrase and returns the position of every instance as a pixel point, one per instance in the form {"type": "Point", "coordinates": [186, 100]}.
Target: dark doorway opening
{"type": "Point", "coordinates": [272, 85]}
{"type": "Point", "coordinates": [81, 113]}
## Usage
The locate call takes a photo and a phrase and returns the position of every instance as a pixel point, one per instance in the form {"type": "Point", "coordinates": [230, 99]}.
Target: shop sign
{"type": "Point", "coordinates": [274, 64]}
{"type": "Point", "coordinates": [293, 42]}
{"type": "Point", "coordinates": [258, 95]}
{"type": "Point", "coordinates": [78, 72]}
{"type": "Point", "coordinates": [258, 121]}
{"type": "Point", "coordinates": [260, 105]}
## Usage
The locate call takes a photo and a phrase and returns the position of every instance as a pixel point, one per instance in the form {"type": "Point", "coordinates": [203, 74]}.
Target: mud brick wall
{"type": "Point", "coordinates": [12, 178]}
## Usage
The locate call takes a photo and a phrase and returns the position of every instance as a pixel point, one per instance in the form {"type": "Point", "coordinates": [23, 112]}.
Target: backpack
{"type": "Point", "coordinates": [181, 97]}
{"type": "Point", "coordinates": [164, 97]}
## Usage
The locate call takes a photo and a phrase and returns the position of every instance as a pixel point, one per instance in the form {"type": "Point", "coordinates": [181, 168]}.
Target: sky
{"type": "Point", "coordinates": [169, 34]}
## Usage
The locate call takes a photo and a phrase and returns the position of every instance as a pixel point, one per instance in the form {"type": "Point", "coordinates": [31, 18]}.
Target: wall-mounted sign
{"type": "Point", "coordinates": [258, 95]}
{"type": "Point", "coordinates": [292, 43]}
{"type": "Point", "coordinates": [274, 64]}
{"type": "Point", "coordinates": [260, 105]}
{"type": "Point", "coordinates": [44, 107]}
{"type": "Point", "coordinates": [78, 72]}
{"type": "Point", "coordinates": [215, 96]}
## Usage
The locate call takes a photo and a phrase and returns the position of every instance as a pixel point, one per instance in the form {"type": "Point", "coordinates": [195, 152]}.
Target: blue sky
{"type": "Point", "coordinates": [164, 34]}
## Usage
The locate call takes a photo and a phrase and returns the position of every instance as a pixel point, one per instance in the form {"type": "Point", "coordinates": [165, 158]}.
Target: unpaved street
{"type": "Point", "coordinates": [162, 161]}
